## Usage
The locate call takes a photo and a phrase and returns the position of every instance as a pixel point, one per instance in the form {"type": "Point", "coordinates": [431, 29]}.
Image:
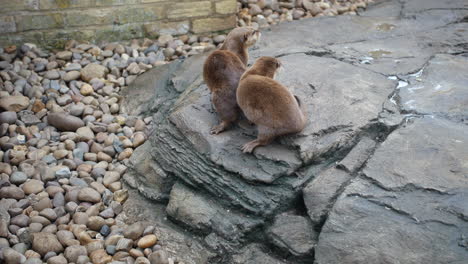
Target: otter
{"type": "Point", "coordinates": [268, 104]}
{"type": "Point", "coordinates": [222, 71]}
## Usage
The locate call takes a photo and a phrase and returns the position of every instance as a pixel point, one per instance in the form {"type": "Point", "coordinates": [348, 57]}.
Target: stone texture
{"type": "Point", "coordinates": [321, 193]}
{"type": "Point", "coordinates": [432, 93]}
{"type": "Point", "coordinates": [205, 215]}
{"type": "Point", "coordinates": [254, 254]}
{"type": "Point", "coordinates": [293, 234]}
{"type": "Point", "coordinates": [412, 194]}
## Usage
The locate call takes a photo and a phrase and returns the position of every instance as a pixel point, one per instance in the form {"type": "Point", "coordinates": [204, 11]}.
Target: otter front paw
{"type": "Point", "coordinates": [217, 129]}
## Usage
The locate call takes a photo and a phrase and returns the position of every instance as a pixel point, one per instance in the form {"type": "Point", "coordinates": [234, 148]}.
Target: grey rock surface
{"type": "Point", "coordinates": [205, 215]}
{"type": "Point", "coordinates": [293, 234]}
{"type": "Point", "coordinates": [380, 169]}
{"type": "Point", "coordinates": [254, 254]}
{"type": "Point", "coordinates": [410, 204]}
{"type": "Point", "coordinates": [440, 88]}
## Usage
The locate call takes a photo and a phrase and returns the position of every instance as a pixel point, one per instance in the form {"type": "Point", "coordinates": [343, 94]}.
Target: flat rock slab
{"type": "Point", "coordinates": [340, 100]}
{"type": "Point", "coordinates": [300, 36]}
{"type": "Point", "coordinates": [410, 205]}
{"type": "Point", "coordinates": [405, 54]}
{"type": "Point", "coordinates": [439, 89]}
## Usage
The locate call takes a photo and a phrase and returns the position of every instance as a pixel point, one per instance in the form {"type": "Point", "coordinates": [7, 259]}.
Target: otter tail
{"type": "Point", "coordinates": [302, 107]}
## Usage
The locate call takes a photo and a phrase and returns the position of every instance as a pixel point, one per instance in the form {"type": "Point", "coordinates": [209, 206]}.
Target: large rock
{"type": "Point", "coordinates": [216, 163]}
{"type": "Point", "coordinates": [205, 215]}
{"type": "Point", "coordinates": [413, 197]}
{"type": "Point", "coordinates": [439, 89]}
{"type": "Point", "coordinates": [401, 55]}
{"type": "Point", "coordinates": [148, 176]}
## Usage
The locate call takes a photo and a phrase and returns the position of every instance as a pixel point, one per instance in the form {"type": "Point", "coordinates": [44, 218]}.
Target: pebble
{"type": "Point", "coordinates": [86, 89]}
{"type": "Point", "coordinates": [159, 257]}
{"type": "Point", "coordinates": [18, 177]}
{"type": "Point", "coordinates": [100, 257]}
{"type": "Point", "coordinates": [147, 241]}
{"type": "Point", "coordinates": [44, 242]}
{"type": "Point", "coordinates": [73, 252]}
{"type": "Point", "coordinates": [71, 76]}
{"type": "Point", "coordinates": [57, 260]}
{"type": "Point", "coordinates": [89, 195]}
{"type": "Point", "coordinates": [8, 117]}
{"type": "Point", "coordinates": [134, 231]}
{"type": "Point", "coordinates": [64, 122]}
{"type": "Point", "coordinates": [11, 256]}
{"type": "Point", "coordinates": [93, 70]}
{"type": "Point", "coordinates": [85, 133]}
{"type": "Point", "coordinates": [14, 103]}
{"type": "Point", "coordinates": [33, 186]}
{"type": "Point", "coordinates": [124, 244]}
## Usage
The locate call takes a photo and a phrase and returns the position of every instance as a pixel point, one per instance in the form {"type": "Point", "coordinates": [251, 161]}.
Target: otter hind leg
{"type": "Point", "coordinates": [227, 109]}
{"type": "Point", "coordinates": [265, 136]}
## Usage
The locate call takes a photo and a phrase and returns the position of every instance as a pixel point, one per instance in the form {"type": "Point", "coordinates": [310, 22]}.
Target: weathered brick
{"type": "Point", "coordinates": [152, 1]}
{"type": "Point", "coordinates": [45, 21]}
{"type": "Point", "coordinates": [226, 7]}
{"type": "Point", "coordinates": [90, 17]}
{"type": "Point", "coordinates": [173, 28]}
{"type": "Point", "coordinates": [140, 14]}
{"type": "Point", "coordinates": [31, 37]}
{"type": "Point", "coordinates": [7, 24]}
{"type": "Point", "coordinates": [189, 9]}
{"type": "Point", "coordinates": [64, 4]}
{"type": "Point", "coordinates": [118, 32]}
{"type": "Point", "coordinates": [57, 38]}
{"type": "Point", "coordinates": [18, 5]}
{"type": "Point", "coordinates": [115, 2]}
{"type": "Point", "coordinates": [213, 24]}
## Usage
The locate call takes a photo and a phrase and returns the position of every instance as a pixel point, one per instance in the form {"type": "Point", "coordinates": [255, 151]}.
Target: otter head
{"type": "Point", "coordinates": [267, 66]}
{"type": "Point", "coordinates": [245, 35]}
{"type": "Point", "coordinates": [251, 37]}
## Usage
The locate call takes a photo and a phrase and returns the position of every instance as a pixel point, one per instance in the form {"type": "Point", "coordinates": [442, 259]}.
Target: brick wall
{"type": "Point", "coordinates": [50, 23]}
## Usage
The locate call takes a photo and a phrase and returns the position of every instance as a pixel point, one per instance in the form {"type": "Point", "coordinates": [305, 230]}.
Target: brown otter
{"type": "Point", "coordinates": [268, 104]}
{"type": "Point", "coordinates": [222, 71]}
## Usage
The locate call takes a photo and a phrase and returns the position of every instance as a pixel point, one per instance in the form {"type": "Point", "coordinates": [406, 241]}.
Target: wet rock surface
{"type": "Point", "coordinates": [411, 197]}
{"type": "Point", "coordinates": [370, 173]}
